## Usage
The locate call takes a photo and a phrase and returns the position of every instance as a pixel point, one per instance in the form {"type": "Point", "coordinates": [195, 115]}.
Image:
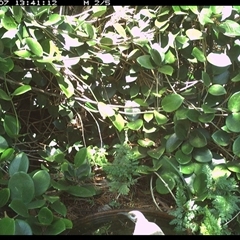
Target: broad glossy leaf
{"type": "Point", "coordinates": [181, 129]}
{"type": "Point", "coordinates": [21, 90]}
{"type": "Point", "coordinates": [217, 90]}
{"type": "Point", "coordinates": [194, 34]}
{"type": "Point", "coordinates": [21, 187]}
{"type": "Point", "coordinates": [36, 204]}
{"type": "Point", "coordinates": [232, 122]}
{"type": "Point", "coordinates": [45, 216]}
{"type": "Point", "coordinates": [200, 184]}
{"type": "Point", "coordinates": [182, 158]}
{"type": "Point", "coordinates": [186, 148]}
{"type": "Point", "coordinates": [193, 115]}
{"type": "Point", "coordinates": [118, 121]}
{"type": "Point", "coordinates": [80, 191]}
{"type": "Point", "coordinates": [56, 227]}
{"type": "Point", "coordinates": [204, 16]}
{"type": "Point", "coordinates": [198, 54]}
{"type": "Point", "coordinates": [23, 53]}
{"type": "Point", "coordinates": [59, 207]}
{"type": "Point", "coordinates": [22, 228]}
{"type": "Point", "coordinates": [230, 28]}
{"type": "Point", "coordinates": [4, 196]}
{"type": "Point", "coordinates": [206, 117]}
{"type": "Point", "coordinates": [170, 57]}
{"type": "Point", "coordinates": [166, 69]}
{"type": "Point", "coordinates": [206, 79]}
{"type": "Point", "coordinates": [19, 207]}
{"type": "Point", "coordinates": [52, 19]}
{"type": "Point", "coordinates": [41, 181]}
{"type": "Point", "coordinates": [4, 95]}
{"type": "Point", "coordinates": [105, 110]}
{"type": "Point", "coordinates": [135, 125]}
{"type": "Point", "coordinates": [66, 86]}
{"type": "Point", "coordinates": [155, 55]}
{"type": "Point", "coordinates": [234, 166]}
{"type": "Point", "coordinates": [106, 41]}
{"type": "Point", "coordinates": [89, 29]}
{"type": "Point", "coordinates": [34, 46]}
{"type": "Point", "coordinates": [187, 169]}
{"type": "Point", "coordinates": [220, 171]}
{"type": "Point", "coordinates": [19, 163]}
{"type": "Point", "coordinates": [11, 126]}
{"type": "Point", "coordinates": [98, 11]}
{"type": "Point", "coordinates": [120, 30]}
{"type": "Point", "coordinates": [221, 138]}
{"type": "Point", "coordinates": [148, 117]}
{"type": "Point", "coordinates": [202, 155]}
{"type": "Point", "coordinates": [173, 143]}
{"type": "Point", "coordinates": [146, 142]}
{"type": "Point", "coordinates": [7, 155]}
{"type": "Point", "coordinates": [17, 13]}
{"type": "Point", "coordinates": [3, 144]}
{"type": "Point", "coordinates": [172, 102]}
{"type": "Point", "coordinates": [197, 139]}
{"type": "Point", "coordinates": [156, 153]}
{"type": "Point", "coordinates": [6, 65]}
{"type": "Point", "coordinates": [236, 146]}
{"type": "Point", "coordinates": [234, 102]}
{"type": "Point", "coordinates": [8, 23]}
{"type": "Point", "coordinates": [7, 226]}
{"type": "Point", "coordinates": [80, 157]}
{"type": "Point", "coordinates": [168, 180]}
{"type": "Point", "coordinates": [236, 78]}
{"type": "Point", "coordinates": [146, 61]}
{"type": "Point", "coordinates": [160, 118]}
{"type": "Point", "coordinates": [219, 59]}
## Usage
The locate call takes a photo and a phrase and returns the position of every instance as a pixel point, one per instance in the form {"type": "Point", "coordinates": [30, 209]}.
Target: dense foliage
{"type": "Point", "coordinates": [132, 90]}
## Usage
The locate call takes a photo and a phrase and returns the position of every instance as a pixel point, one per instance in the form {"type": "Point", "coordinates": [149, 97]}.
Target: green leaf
{"type": "Point", "coordinates": [221, 138]}
{"type": "Point", "coordinates": [19, 163]}
{"type": "Point", "coordinates": [36, 204]}
{"type": "Point", "coordinates": [59, 207]}
{"type": "Point", "coordinates": [206, 79]}
{"type": "Point", "coordinates": [135, 125]}
{"type": "Point", "coordinates": [3, 144]}
{"type": "Point", "coordinates": [156, 57]}
{"type": "Point", "coordinates": [145, 61]}
{"type": "Point", "coordinates": [160, 118]}
{"type": "Point", "coordinates": [88, 28]}
{"type": "Point", "coordinates": [200, 184]}
{"type": "Point", "coordinates": [197, 139]}
{"type": "Point", "coordinates": [236, 146]}
{"type": "Point", "coordinates": [22, 228]}
{"type": "Point", "coordinates": [7, 155]}
{"type": "Point", "coordinates": [106, 41]}
{"type": "Point", "coordinates": [23, 53]}
{"type": "Point", "coordinates": [6, 65]}
{"type": "Point", "coordinates": [230, 28]}
{"type": "Point", "coordinates": [66, 86]}
{"type": "Point", "coordinates": [145, 142]}
{"type": "Point", "coordinates": [232, 122]}
{"type": "Point", "coordinates": [80, 157]}
{"type": "Point", "coordinates": [19, 207]}
{"type": "Point", "coordinates": [8, 23]}
{"type": "Point", "coordinates": [80, 191]}
{"type": "Point", "coordinates": [198, 54]}
{"type": "Point", "coordinates": [181, 129]}
{"type": "Point", "coordinates": [234, 102]}
{"type": "Point", "coordinates": [45, 216]}
{"type": "Point", "coordinates": [56, 227]}
{"type": "Point", "coordinates": [148, 117]}
{"type": "Point", "coordinates": [217, 90]}
{"type": "Point", "coordinates": [120, 30]}
{"type": "Point", "coordinates": [234, 166]}
{"type": "Point", "coordinates": [219, 59]}
{"type": "Point", "coordinates": [105, 110]}
{"type": "Point", "coordinates": [206, 117]}
{"type": "Point", "coordinates": [187, 169]}
{"type": "Point", "coordinates": [21, 187]}
{"type": "Point", "coordinates": [193, 115]}
{"type": "Point", "coordinates": [194, 34]}
{"type": "Point", "coordinates": [186, 148]}
{"type": "Point", "coordinates": [204, 16]}
{"type": "Point", "coordinates": [7, 226]}
{"type": "Point", "coordinates": [166, 69]}
{"type": "Point", "coordinates": [4, 196]}
{"type": "Point", "coordinates": [52, 19]}
{"type": "Point", "coordinates": [202, 155]}
{"type": "Point", "coordinates": [21, 90]}
{"type": "Point", "coordinates": [11, 126]}
{"type": "Point", "coordinates": [41, 181]}
{"type": "Point", "coordinates": [34, 46]}
{"type": "Point", "coordinates": [4, 95]}
{"type": "Point", "coordinates": [98, 11]}
{"type": "Point", "coordinates": [118, 121]}
{"type": "Point", "coordinates": [182, 158]}
{"type": "Point", "coordinates": [161, 186]}
{"type": "Point", "coordinates": [156, 153]}
{"type": "Point", "coordinates": [236, 78]}
{"type": "Point", "coordinates": [220, 170]}
{"type": "Point", "coordinates": [173, 143]}
{"type": "Point", "coordinates": [17, 12]}
{"type": "Point", "coordinates": [172, 102]}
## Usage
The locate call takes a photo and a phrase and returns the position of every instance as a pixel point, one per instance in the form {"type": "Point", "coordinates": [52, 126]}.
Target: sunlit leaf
{"type": "Point", "coordinates": [34, 46]}
{"type": "Point", "coordinates": [21, 90]}
{"type": "Point", "coordinates": [172, 102]}
{"type": "Point", "coordinates": [146, 61]}
{"type": "Point", "coordinates": [234, 102]}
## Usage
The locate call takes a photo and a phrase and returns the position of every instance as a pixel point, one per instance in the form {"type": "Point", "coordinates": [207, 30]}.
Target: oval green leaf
{"type": "Point", "coordinates": [197, 139]}
{"type": "Point", "coordinates": [156, 153]}
{"type": "Point", "coordinates": [145, 61]}
{"type": "Point", "coordinates": [7, 226]}
{"type": "Point", "coordinates": [3, 144]}
{"type": "Point", "coordinates": [7, 65]}
{"type": "Point", "coordinates": [59, 207]}
{"type": "Point", "coordinates": [34, 46]}
{"type": "Point", "coordinates": [234, 102]}
{"type": "Point", "coordinates": [21, 187]}
{"type": "Point", "coordinates": [53, 19]}
{"type": "Point", "coordinates": [66, 86]}
{"type": "Point", "coordinates": [19, 207]}
{"type": "Point", "coordinates": [8, 23]}
{"type": "Point", "coordinates": [186, 148]}
{"type": "Point", "coordinates": [232, 122]}
{"type": "Point", "coordinates": [135, 125]}
{"type": "Point", "coordinates": [56, 227]}
{"type": "Point", "coordinates": [118, 121]}
{"type": "Point", "coordinates": [236, 146]}
{"type": "Point", "coordinates": [4, 95]}
{"type": "Point", "coordinates": [161, 186]}
{"type": "Point", "coordinates": [182, 158]}
{"type": "Point", "coordinates": [120, 30]}
{"type": "Point", "coordinates": [234, 166]}
{"type": "Point", "coordinates": [22, 227]}
{"type": "Point", "coordinates": [217, 90]}
{"type": "Point", "coordinates": [45, 216]}
{"type": "Point", "coordinates": [200, 184]}
{"type": "Point", "coordinates": [198, 54]}
{"type": "Point", "coordinates": [11, 126]}
{"type": "Point", "coordinates": [202, 155]}
{"type": "Point", "coordinates": [4, 196]}
{"type": "Point", "coordinates": [221, 137]}
{"type": "Point", "coordinates": [80, 191]}
{"type": "Point", "coordinates": [21, 90]}
{"type": "Point", "coordinates": [41, 181]}
{"type": "Point", "coordinates": [172, 102]}
{"type": "Point", "coordinates": [160, 118]}
{"type": "Point", "coordinates": [19, 163]}
{"type": "Point", "coordinates": [156, 57]}
{"type": "Point", "coordinates": [187, 169]}
{"type": "Point", "coordinates": [173, 143]}
{"type": "Point", "coordinates": [166, 69]}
